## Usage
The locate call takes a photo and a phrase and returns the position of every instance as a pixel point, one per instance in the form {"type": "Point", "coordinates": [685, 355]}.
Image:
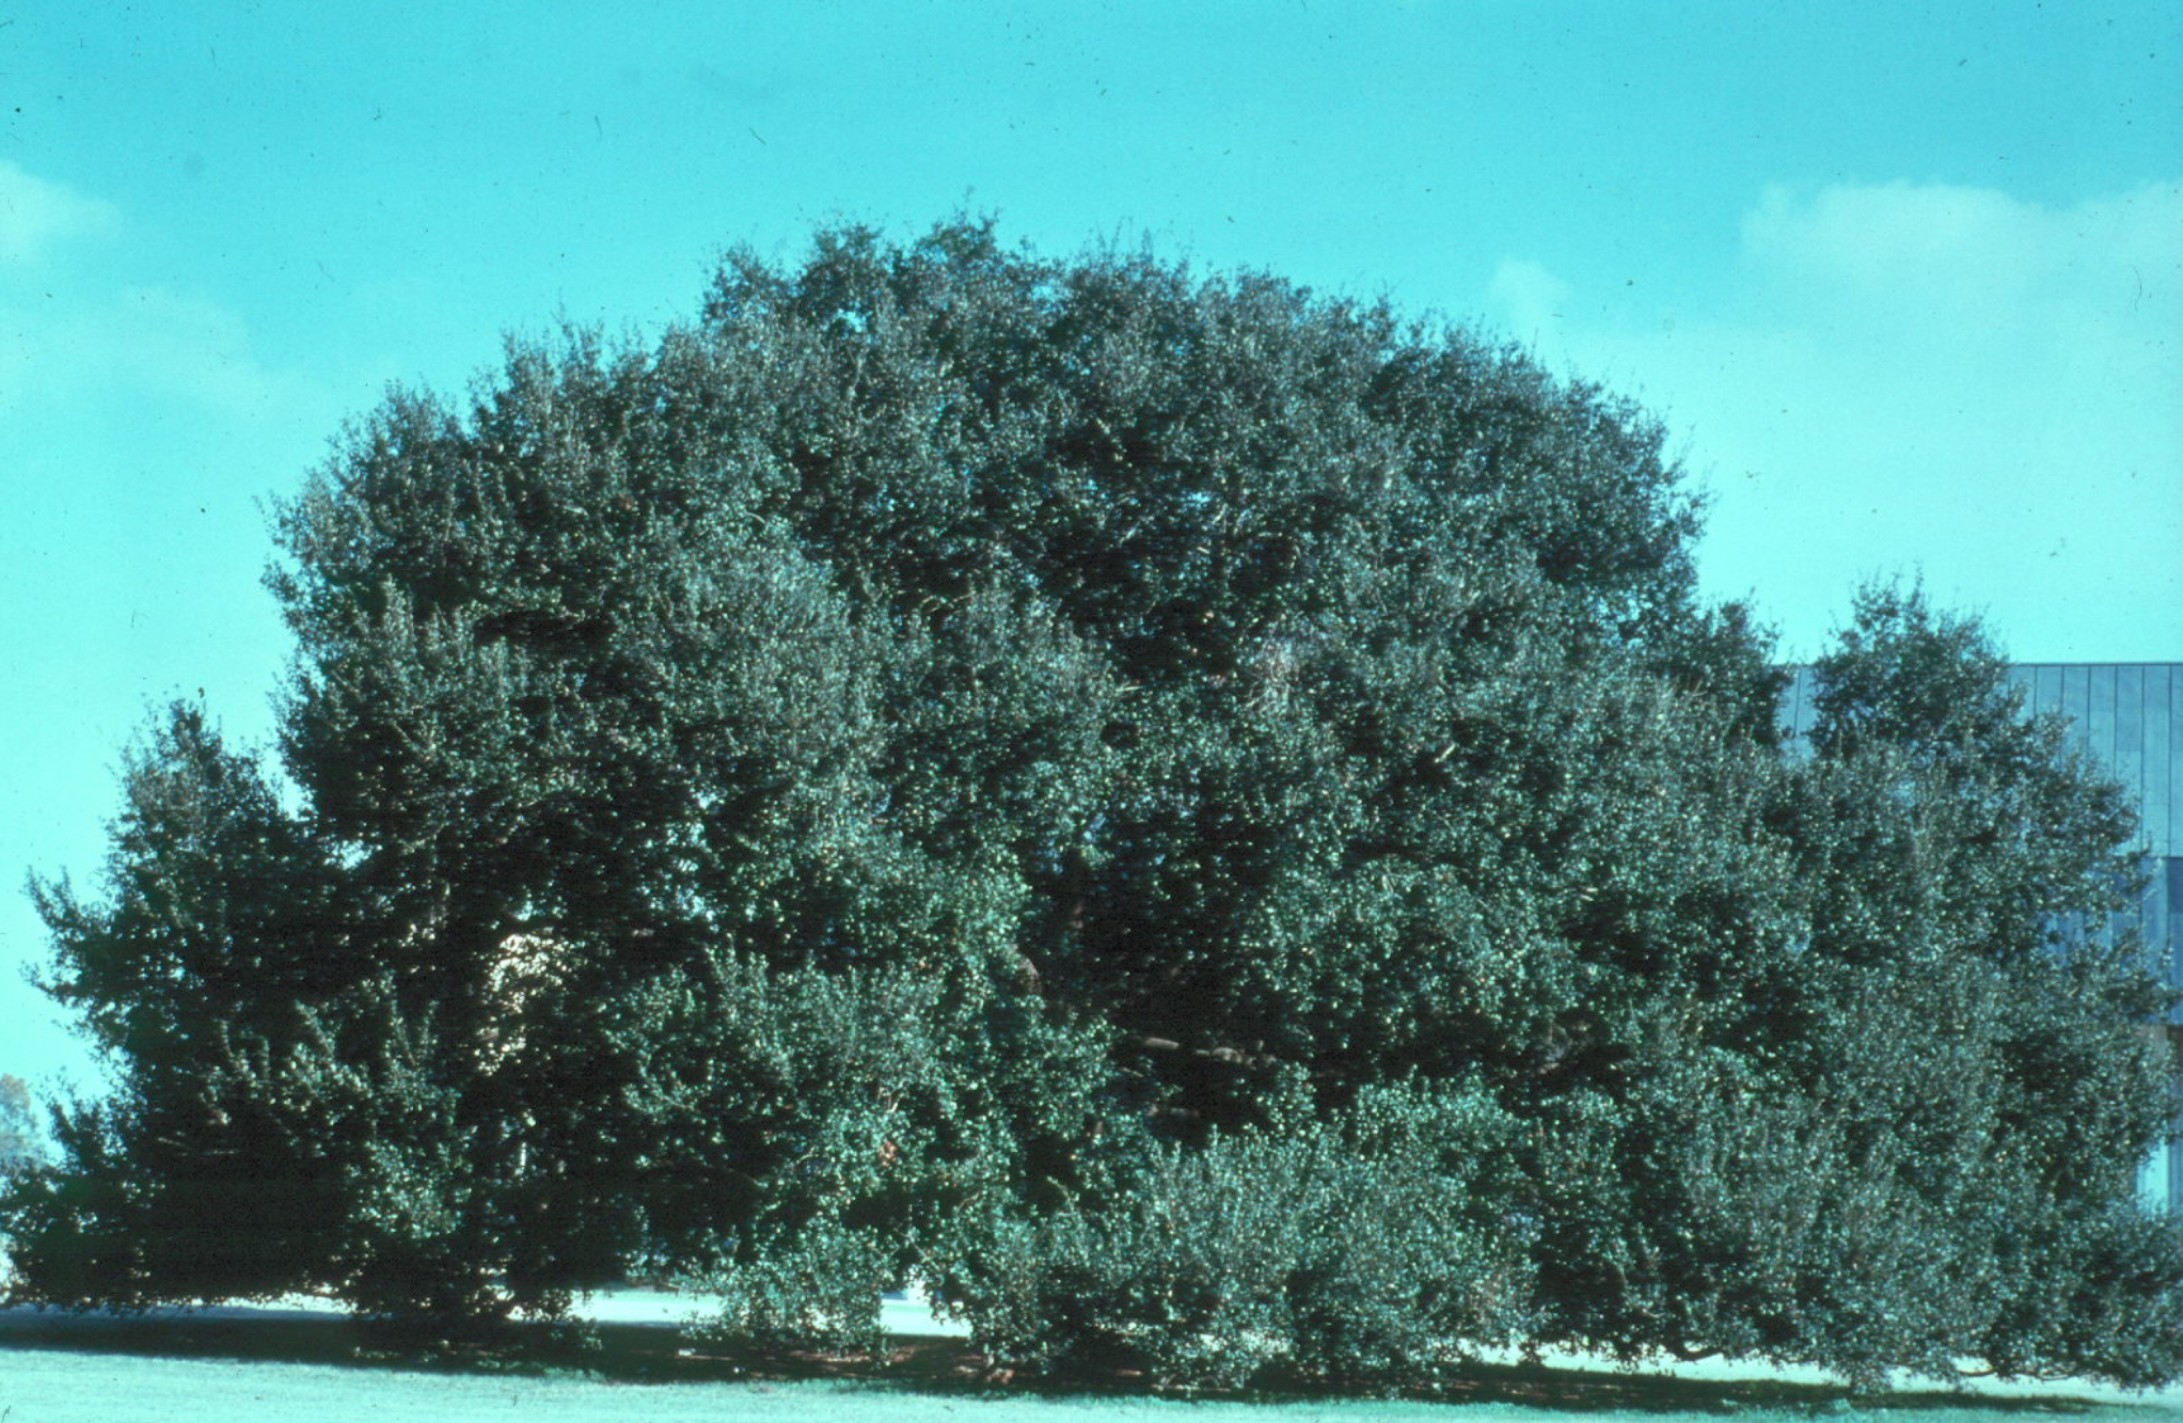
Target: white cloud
{"type": "Point", "coordinates": [1976, 280]}
{"type": "Point", "coordinates": [36, 213]}
{"type": "Point", "coordinates": [1531, 298]}
{"type": "Point", "coordinates": [1969, 255]}
{"type": "Point", "coordinates": [1900, 376]}
{"type": "Point", "coordinates": [79, 339]}
{"type": "Point", "coordinates": [123, 353]}
{"type": "Point", "coordinates": [144, 340]}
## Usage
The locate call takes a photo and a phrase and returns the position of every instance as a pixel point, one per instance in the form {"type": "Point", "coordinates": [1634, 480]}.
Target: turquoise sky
{"type": "Point", "coordinates": [1905, 279]}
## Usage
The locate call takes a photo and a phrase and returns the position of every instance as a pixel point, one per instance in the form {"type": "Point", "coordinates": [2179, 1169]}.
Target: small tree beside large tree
{"type": "Point", "coordinates": [1206, 824]}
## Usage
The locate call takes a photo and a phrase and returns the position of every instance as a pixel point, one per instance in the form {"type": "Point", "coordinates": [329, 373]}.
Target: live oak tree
{"type": "Point", "coordinates": [1207, 824]}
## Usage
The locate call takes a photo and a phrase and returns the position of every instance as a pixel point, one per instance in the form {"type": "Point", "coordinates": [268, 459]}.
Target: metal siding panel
{"type": "Point", "coordinates": [2159, 922]}
{"type": "Point", "coordinates": [2172, 749]}
{"type": "Point", "coordinates": [2047, 689]}
{"type": "Point", "coordinates": [2129, 762]}
{"type": "Point", "coordinates": [2174, 1146]}
{"type": "Point", "coordinates": [2154, 923]}
{"type": "Point", "coordinates": [2099, 716]}
{"type": "Point", "coordinates": [2160, 817]}
{"type": "Point", "coordinates": [2174, 907]}
{"type": "Point", "coordinates": [2161, 913]}
{"type": "Point", "coordinates": [2025, 677]}
{"type": "Point", "coordinates": [2076, 701]}
{"type": "Point", "coordinates": [2174, 1151]}
{"type": "Point", "coordinates": [2139, 916]}
{"type": "Point", "coordinates": [1796, 704]}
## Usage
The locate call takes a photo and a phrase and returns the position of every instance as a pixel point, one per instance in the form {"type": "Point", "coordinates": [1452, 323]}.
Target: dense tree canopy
{"type": "Point", "coordinates": [1205, 823]}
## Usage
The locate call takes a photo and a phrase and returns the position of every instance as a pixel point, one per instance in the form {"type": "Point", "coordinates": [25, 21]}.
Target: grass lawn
{"type": "Point", "coordinates": [302, 1362]}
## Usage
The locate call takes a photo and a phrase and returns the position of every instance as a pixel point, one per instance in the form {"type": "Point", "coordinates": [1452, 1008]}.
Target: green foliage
{"type": "Point", "coordinates": [1361, 1252]}
{"type": "Point", "coordinates": [835, 1134]}
{"type": "Point", "coordinates": [1205, 824]}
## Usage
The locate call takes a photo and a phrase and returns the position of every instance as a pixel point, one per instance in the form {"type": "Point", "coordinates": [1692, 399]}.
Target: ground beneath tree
{"type": "Point", "coordinates": [303, 1358]}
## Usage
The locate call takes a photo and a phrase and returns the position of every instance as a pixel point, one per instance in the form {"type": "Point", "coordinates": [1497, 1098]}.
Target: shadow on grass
{"type": "Point", "coordinates": [660, 1353]}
